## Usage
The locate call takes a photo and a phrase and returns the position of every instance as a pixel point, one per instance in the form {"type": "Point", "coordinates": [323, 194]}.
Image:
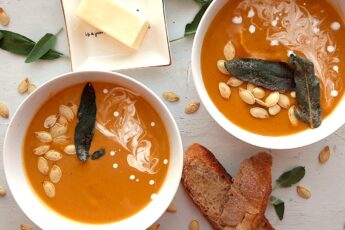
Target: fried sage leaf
{"type": "Point", "coordinates": [84, 130]}
{"type": "Point", "coordinates": [291, 177]}
{"type": "Point", "coordinates": [279, 206]}
{"type": "Point", "coordinates": [307, 92]}
{"type": "Point", "coordinates": [46, 43]}
{"type": "Point", "coordinates": [98, 154]}
{"type": "Point", "coordinates": [268, 74]}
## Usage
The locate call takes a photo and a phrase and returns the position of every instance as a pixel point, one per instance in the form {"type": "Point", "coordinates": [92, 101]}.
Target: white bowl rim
{"type": "Point", "coordinates": [329, 125]}
{"type": "Point", "coordinates": [145, 222]}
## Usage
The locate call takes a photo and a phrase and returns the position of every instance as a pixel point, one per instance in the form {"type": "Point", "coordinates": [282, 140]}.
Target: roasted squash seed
{"type": "Point", "coordinates": [61, 140]}
{"type": "Point", "coordinates": [4, 112]}
{"type": "Point", "coordinates": [284, 101]}
{"type": "Point", "coordinates": [23, 86]}
{"type": "Point", "coordinates": [50, 121]}
{"type": "Point", "coordinates": [154, 227]}
{"type": "Point", "coordinates": [67, 112]}
{"type": "Point", "coordinates": [303, 192]}
{"type": "Point", "coordinates": [221, 67]}
{"type": "Point", "coordinates": [70, 150]}
{"type": "Point", "coordinates": [258, 92]}
{"type": "Point", "coordinates": [250, 87]}
{"type": "Point", "coordinates": [247, 96]}
{"type": "Point", "coordinates": [43, 165]}
{"type": "Point", "coordinates": [53, 155]}
{"type": "Point", "coordinates": [258, 112]}
{"type": "Point", "coordinates": [41, 150]}
{"type": "Point", "coordinates": [224, 90]}
{"type": "Point", "coordinates": [44, 136]}
{"type": "Point", "coordinates": [25, 227]}
{"type": "Point", "coordinates": [31, 88]}
{"type": "Point", "coordinates": [292, 117]}
{"type": "Point", "coordinates": [194, 225]}
{"type": "Point", "coordinates": [4, 19]}
{"type": "Point", "coordinates": [229, 51]}
{"type": "Point", "coordinates": [170, 96]}
{"type": "Point", "coordinates": [234, 82]}
{"type": "Point", "coordinates": [272, 99]}
{"type": "Point", "coordinates": [324, 155]}
{"type": "Point", "coordinates": [191, 107]}
{"type": "Point", "coordinates": [58, 130]}
{"type": "Point", "coordinates": [274, 110]}
{"type": "Point", "coordinates": [171, 208]}
{"type": "Point", "coordinates": [55, 174]}
{"type": "Point", "coordinates": [2, 191]}
{"type": "Point", "coordinates": [49, 189]}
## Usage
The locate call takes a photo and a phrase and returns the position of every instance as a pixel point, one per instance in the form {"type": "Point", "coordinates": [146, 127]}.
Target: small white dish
{"type": "Point", "coordinates": [90, 50]}
{"type": "Point", "coordinates": [19, 185]}
{"type": "Point", "coordinates": [329, 125]}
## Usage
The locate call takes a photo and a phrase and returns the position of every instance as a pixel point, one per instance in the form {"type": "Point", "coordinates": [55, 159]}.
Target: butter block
{"type": "Point", "coordinates": [116, 19]}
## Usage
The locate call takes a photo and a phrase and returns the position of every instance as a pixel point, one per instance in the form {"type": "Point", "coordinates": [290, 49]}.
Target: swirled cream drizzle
{"type": "Point", "coordinates": [127, 129]}
{"type": "Point", "coordinates": [299, 31]}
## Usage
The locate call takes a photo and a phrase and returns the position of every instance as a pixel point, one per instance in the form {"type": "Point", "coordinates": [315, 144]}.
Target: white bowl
{"type": "Point", "coordinates": [329, 125]}
{"type": "Point", "coordinates": [20, 188]}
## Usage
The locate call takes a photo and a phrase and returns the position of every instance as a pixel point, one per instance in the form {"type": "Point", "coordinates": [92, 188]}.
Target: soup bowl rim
{"type": "Point", "coordinates": [35, 208]}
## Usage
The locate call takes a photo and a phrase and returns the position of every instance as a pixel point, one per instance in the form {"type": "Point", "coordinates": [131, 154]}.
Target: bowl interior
{"type": "Point", "coordinates": [41, 214]}
{"type": "Point", "coordinates": [329, 125]}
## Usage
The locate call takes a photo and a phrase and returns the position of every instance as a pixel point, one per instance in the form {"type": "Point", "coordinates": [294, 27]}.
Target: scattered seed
{"type": "Point", "coordinates": [4, 19]}
{"type": "Point", "coordinates": [272, 99]}
{"type": "Point", "coordinates": [194, 225]}
{"type": "Point", "coordinates": [154, 227]}
{"type": "Point", "coordinates": [229, 51]}
{"type": "Point", "coordinates": [70, 150]}
{"type": "Point", "coordinates": [221, 67]}
{"type": "Point", "coordinates": [250, 87]}
{"type": "Point", "coordinates": [292, 117]}
{"type": "Point", "coordinates": [170, 96]}
{"type": "Point", "coordinates": [171, 208]}
{"type": "Point", "coordinates": [61, 140]}
{"type": "Point", "coordinates": [293, 94]}
{"type": "Point", "coordinates": [284, 101]}
{"type": "Point", "coordinates": [234, 82]}
{"type": "Point", "coordinates": [260, 102]}
{"type": "Point", "coordinates": [258, 112]}
{"type": "Point", "coordinates": [247, 96]}
{"type": "Point", "coordinates": [31, 88]}
{"type": "Point", "coordinates": [4, 112]}
{"type": "Point", "coordinates": [53, 155]}
{"type": "Point", "coordinates": [43, 136]}
{"type": "Point", "coordinates": [2, 191]}
{"type": "Point", "coordinates": [224, 90]}
{"type": "Point", "coordinates": [324, 155]}
{"type": "Point", "coordinates": [303, 192]}
{"type": "Point", "coordinates": [43, 165]}
{"type": "Point", "coordinates": [258, 92]}
{"type": "Point", "coordinates": [49, 189]}
{"type": "Point", "coordinates": [62, 120]}
{"type": "Point", "coordinates": [67, 112]}
{"type": "Point", "coordinates": [274, 110]}
{"type": "Point", "coordinates": [25, 227]}
{"type": "Point", "coordinates": [23, 86]}
{"type": "Point", "coordinates": [41, 150]}
{"type": "Point", "coordinates": [58, 130]}
{"type": "Point", "coordinates": [73, 107]}
{"type": "Point", "coordinates": [191, 107]}
{"type": "Point", "coordinates": [55, 174]}
{"type": "Point", "coordinates": [50, 121]}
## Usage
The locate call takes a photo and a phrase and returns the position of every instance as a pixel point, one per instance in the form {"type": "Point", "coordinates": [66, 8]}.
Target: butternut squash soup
{"type": "Point", "coordinates": [273, 67]}
{"type": "Point", "coordinates": [96, 153]}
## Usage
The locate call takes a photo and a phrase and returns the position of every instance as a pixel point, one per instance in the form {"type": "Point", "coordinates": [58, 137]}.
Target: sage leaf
{"type": "Point", "coordinates": [1, 35]}
{"type": "Point", "coordinates": [193, 26]}
{"type": "Point", "coordinates": [279, 206]}
{"type": "Point", "coordinates": [98, 154]}
{"type": "Point", "coordinates": [203, 2]}
{"type": "Point", "coordinates": [267, 74]}
{"type": "Point", "coordinates": [308, 92]}
{"type": "Point", "coordinates": [291, 177]}
{"type": "Point", "coordinates": [46, 43]}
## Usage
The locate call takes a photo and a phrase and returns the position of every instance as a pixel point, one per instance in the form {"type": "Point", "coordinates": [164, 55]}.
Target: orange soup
{"type": "Point", "coordinates": [272, 30]}
{"type": "Point", "coordinates": [105, 188]}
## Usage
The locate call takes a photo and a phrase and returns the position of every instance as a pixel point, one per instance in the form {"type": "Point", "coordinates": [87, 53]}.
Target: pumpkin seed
{"type": "Point", "coordinates": [194, 225]}
{"type": "Point", "coordinates": [292, 117]}
{"type": "Point", "coordinates": [55, 174]}
{"type": "Point", "coordinates": [25, 227]}
{"type": "Point", "coordinates": [324, 155]}
{"type": "Point", "coordinates": [23, 86]}
{"type": "Point", "coordinates": [43, 136]}
{"type": "Point", "coordinates": [42, 165]}
{"type": "Point", "coordinates": [303, 192]}
{"type": "Point", "coordinates": [67, 112]}
{"type": "Point", "coordinates": [284, 101]}
{"type": "Point", "coordinates": [53, 155]}
{"type": "Point", "coordinates": [247, 96]}
{"type": "Point", "coordinates": [274, 110]}
{"type": "Point", "coordinates": [260, 102]}
{"type": "Point", "coordinates": [4, 19]}
{"type": "Point", "coordinates": [41, 150]}
{"type": "Point", "coordinates": [4, 112]}
{"type": "Point", "coordinates": [171, 208]}
{"type": "Point", "coordinates": [221, 67]}
{"type": "Point", "coordinates": [2, 191]}
{"type": "Point", "coordinates": [272, 99]}
{"type": "Point", "coordinates": [61, 140]}
{"type": "Point", "coordinates": [258, 112]}
{"type": "Point", "coordinates": [293, 94]}
{"type": "Point", "coordinates": [229, 51]}
{"type": "Point", "coordinates": [154, 227]}
{"type": "Point", "coordinates": [50, 121]}
{"type": "Point", "coordinates": [49, 189]}
{"type": "Point", "coordinates": [62, 120]}
{"type": "Point", "coordinates": [58, 130]}
{"type": "Point", "coordinates": [31, 88]}
{"type": "Point", "coordinates": [70, 150]}
{"type": "Point", "coordinates": [234, 82]}
{"type": "Point", "coordinates": [251, 86]}
{"type": "Point", "coordinates": [258, 92]}
{"type": "Point", "coordinates": [170, 96]}
{"type": "Point", "coordinates": [73, 107]}
{"type": "Point", "coordinates": [191, 107]}
{"type": "Point", "coordinates": [224, 90]}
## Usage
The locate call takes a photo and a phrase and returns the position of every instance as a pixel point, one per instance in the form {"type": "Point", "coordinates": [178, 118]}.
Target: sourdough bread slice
{"type": "Point", "coordinates": [209, 186]}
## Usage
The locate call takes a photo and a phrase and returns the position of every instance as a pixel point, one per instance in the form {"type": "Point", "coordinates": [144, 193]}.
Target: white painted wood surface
{"type": "Point", "coordinates": [324, 211]}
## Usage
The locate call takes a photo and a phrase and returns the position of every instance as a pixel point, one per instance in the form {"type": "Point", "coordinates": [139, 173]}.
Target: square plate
{"type": "Point", "coordinates": [91, 49]}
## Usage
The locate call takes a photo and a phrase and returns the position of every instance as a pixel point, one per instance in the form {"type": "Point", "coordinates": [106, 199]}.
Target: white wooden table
{"type": "Point", "coordinates": [324, 211]}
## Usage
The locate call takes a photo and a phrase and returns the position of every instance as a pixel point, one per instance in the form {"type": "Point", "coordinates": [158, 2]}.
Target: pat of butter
{"type": "Point", "coordinates": [116, 19]}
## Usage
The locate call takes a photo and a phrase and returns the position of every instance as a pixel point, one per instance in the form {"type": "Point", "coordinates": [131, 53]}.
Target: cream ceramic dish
{"type": "Point", "coordinates": [19, 185]}
{"type": "Point", "coordinates": [329, 125]}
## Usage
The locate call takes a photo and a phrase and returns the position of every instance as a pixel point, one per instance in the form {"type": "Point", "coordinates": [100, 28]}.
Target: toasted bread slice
{"type": "Point", "coordinates": [209, 186]}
